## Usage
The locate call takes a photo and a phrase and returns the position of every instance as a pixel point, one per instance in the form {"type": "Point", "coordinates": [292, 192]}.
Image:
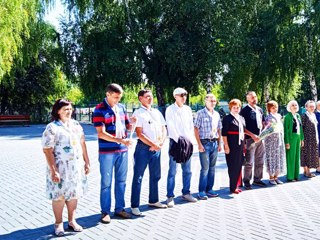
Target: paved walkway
{"type": "Point", "coordinates": [289, 211]}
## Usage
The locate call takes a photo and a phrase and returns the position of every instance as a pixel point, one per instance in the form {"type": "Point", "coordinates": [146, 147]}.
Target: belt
{"type": "Point", "coordinates": [210, 139]}
{"type": "Point", "coordinates": [233, 133]}
{"type": "Point", "coordinates": [140, 142]}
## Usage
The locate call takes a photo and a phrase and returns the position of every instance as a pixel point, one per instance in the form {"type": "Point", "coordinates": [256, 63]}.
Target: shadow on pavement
{"type": "Point", "coordinates": [47, 232]}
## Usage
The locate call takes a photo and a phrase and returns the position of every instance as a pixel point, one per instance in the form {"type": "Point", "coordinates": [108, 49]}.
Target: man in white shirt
{"type": "Point", "coordinates": [180, 124]}
{"type": "Point", "coordinates": [207, 129]}
{"type": "Point", "coordinates": [151, 131]}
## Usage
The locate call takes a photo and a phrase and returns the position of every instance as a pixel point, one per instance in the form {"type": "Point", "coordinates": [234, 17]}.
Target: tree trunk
{"type": "Point", "coordinates": [266, 92]}
{"type": "Point", "coordinates": [160, 96]}
{"type": "Point", "coordinates": [313, 86]}
{"type": "Point", "coordinates": [4, 99]}
{"type": "Point", "coordinates": [161, 99]}
{"type": "Point", "coordinates": [312, 79]}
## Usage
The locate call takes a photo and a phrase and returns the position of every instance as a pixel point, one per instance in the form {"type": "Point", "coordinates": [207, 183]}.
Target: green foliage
{"type": "Point", "coordinates": [200, 97]}
{"type": "Point", "coordinates": [264, 48]}
{"type": "Point", "coordinates": [169, 42]}
{"type": "Point", "coordinates": [75, 95]}
{"type": "Point", "coordinates": [59, 87]}
{"type": "Point", "coordinates": [35, 81]}
{"type": "Point", "coordinates": [271, 47]}
{"type": "Point", "coordinates": [103, 52]}
{"type": "Point", "coordinates": [130, 94]}
{"type": "Point", "coordinates": [14, 18]}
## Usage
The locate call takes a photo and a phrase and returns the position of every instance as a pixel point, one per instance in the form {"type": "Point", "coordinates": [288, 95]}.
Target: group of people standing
{"type": "Point", "coordinates": [68, 162]}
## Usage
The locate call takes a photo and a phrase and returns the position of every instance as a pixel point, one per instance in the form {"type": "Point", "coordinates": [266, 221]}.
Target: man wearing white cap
{"type": "Point", "coordinates": [180, 125]}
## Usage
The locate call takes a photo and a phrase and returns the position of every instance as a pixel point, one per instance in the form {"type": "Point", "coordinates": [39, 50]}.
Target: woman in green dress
{"type": "Point", "coordinates": [293, 138]}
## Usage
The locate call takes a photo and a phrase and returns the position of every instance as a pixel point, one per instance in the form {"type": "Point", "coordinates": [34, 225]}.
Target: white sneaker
{"type": "Point", "coordinates": [170, 202]}
{"type": "Point", "coordinates": [157, 205]}
{"type": "Point", "coordinates": [189, 198]}
{"type": "Point", "coordinates": [136, 211]}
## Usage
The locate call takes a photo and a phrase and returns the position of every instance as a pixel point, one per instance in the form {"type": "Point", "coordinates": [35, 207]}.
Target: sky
{"type": "Point", "coordinates": [54, 13]}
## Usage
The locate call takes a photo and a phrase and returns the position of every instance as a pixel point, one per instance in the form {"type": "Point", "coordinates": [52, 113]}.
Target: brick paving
{"type": "Point", "coordinates": [288, 211]}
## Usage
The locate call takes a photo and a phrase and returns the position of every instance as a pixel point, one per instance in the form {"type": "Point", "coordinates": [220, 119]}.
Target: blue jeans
{"type": "Point", "coordinates": [208, 160]}
{"type": "Point", "coordinates": [186, 175]}
{"type": "Point", "coordinates": [119, 161]}
{"type": "Point", "coordinates": [142, 158]}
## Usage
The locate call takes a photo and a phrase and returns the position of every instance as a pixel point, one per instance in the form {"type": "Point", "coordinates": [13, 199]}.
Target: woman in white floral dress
{"type": "Point", "coordinates": [274, 144]}
{"type": "Point", "coordinates": [65, 149]}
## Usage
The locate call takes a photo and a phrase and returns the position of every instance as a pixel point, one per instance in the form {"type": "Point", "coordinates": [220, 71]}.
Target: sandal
{"type": "Point", "coordinates": [58, 229]}
{"type": "Point", "coordinates": [75, 227]}
{"type": "Point", "coordinates": [309, 175]}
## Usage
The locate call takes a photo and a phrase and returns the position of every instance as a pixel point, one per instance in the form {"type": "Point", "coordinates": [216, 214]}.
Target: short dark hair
{"type": "Point", "coordinates": [250, 93]}
{"type": "Point", "coordinates": [143, 92]}
{"type": "Point", "coordinates": [114, 88]}
{"type": "Point", "coordinates": [57, 106]}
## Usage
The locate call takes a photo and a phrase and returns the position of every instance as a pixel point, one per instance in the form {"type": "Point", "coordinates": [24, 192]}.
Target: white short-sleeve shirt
{"type": "Point", "coordinates": [151, 121]}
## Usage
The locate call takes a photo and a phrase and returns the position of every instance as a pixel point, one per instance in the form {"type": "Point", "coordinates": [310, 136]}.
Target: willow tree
{"type": "Point", "coordinates": [307, 23]}
{"type": "Point", "coordinates": [261, 48]}
{"type": "Point", "coordinates": [32, 86]}
{"type": "Point", "coordinates": [14, 28]}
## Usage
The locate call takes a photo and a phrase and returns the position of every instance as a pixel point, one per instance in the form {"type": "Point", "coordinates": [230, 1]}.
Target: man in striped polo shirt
{"type": "Point", "coordinates": [111, 122]}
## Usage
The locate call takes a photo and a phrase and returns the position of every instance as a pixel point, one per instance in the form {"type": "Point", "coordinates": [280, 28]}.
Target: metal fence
{"type": "Point", "coordinates": [83, 113]}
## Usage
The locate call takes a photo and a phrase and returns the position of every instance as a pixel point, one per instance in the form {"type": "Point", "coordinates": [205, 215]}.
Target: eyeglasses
{"type": "Point", "coordinates": [182, 95]}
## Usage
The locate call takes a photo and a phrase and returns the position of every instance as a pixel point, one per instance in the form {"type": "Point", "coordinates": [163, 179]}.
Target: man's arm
{"type": "Point", "coordinates": [219, 140]}
{"type": "Point", "coordinates": [102, 134]}
{"type": "Point", "coordinates": [146, 140]}
{"type": "Point", "coordinates": [196, 134]}
{"type": "Point", "coordinates": [171, 124]}
{"type": "Point", "coordinates": [252, 135]}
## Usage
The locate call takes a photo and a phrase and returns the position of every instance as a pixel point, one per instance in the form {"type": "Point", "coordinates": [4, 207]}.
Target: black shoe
{"type": "Point", "coordinates": [259, 183]}
{"type": "Point", "coordinates": [291, 180]}
{"type": "Point", "coordinates": [105, 218]}
{"type": "Point", "coordinates": [247, 186]}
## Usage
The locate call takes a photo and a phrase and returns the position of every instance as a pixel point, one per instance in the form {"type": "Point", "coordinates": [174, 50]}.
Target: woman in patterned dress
{"type": "Point", "coordinates": [274, 144]}
{"type": "Point", "coordinates": [317, 112]}
{"type": "Point", "coordinates": [309, 152]}
{"type": "Point", "coordinates": [65, 149]}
